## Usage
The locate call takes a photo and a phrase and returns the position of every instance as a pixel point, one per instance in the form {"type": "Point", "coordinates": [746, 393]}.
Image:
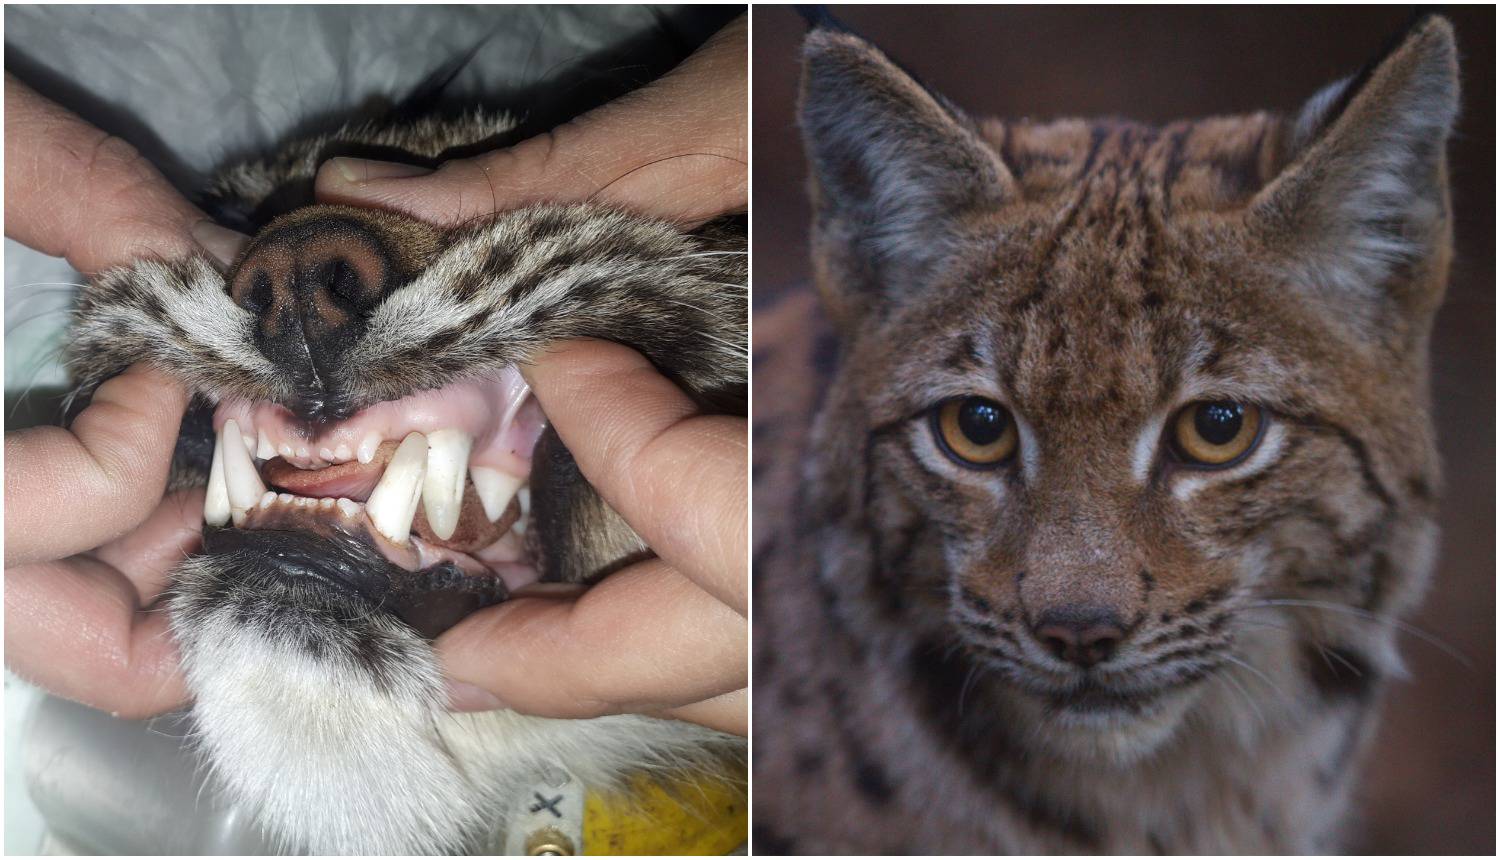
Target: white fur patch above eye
{"type": "Point", "coordinates": [1147, 442]}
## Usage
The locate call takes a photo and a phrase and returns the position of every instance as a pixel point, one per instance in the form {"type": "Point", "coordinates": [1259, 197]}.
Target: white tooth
{"type": "Point", "coordinates": [443, 489]}
{"type": "Point", "coordinates": [367, 447]}
{"type": "Point", "coordinates": [267, 500]}
{"type": "Point", "coordinates": [245, 488]}
{"type": "Point", "coordinates": [239, 517]}
{"type": "Point", "coordinates": [326, 454]}
{"type": "Point", "coordinates": [286, 498]}
{"type": "Point", "coordinates": [216, 502]}
{"type": "Point", "coordinates": [325, 504]}
{"type": "Point", "coordinates": [394, 500]}
{"type": "Point", "coordinates": [348, 507]}
{"type": "Point", "coordinates": [302, 454]}
{"type": "Point", "coordinates": [496, 489]}
{"type": "Point", "coordinates": [249, 444]}
{"type": "Point", "coordinates": [264, 450]}
{"type": "Point", "coordinates": [341, 453]}
{"type": "Point", "coordinates": [285, 451]}
{"type": "Point", "coordinates": [523, 498]}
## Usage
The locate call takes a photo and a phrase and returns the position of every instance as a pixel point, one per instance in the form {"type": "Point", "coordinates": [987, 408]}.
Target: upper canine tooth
{"type": "Point", "coordinates": [443, 488]}
{"type": "Point", "coordinates": [245, 488]}
{"type": "Point", "coordinates": [216, 502]}
{"type": "Point", "coordinates": [496, 489]}
{"type": "Point", "coordinates": [264, 449]}
{"type": "Point", "coordinates": [394, 500]}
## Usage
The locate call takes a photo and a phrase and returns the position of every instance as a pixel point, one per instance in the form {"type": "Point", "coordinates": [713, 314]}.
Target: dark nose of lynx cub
{"type": "Point", "coordinates": [1083, 636]}
{"type": "Point", "coordinates": [312, 279]}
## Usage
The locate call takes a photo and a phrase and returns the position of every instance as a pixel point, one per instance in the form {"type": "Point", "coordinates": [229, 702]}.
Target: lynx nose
{"type": "Point", "coordinates": [1083, 636]}
{"type": "Point", "coordinates": [311, 285]}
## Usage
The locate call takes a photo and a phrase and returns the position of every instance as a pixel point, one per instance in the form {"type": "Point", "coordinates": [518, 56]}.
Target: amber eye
{"type": "Point", "coordinates": [975, 431]}
{"type": "Point", "coordinates": [1215, 432]}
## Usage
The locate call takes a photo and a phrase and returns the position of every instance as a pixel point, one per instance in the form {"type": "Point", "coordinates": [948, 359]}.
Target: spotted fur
{"type": "Point", "coordinates": [324, 715]}
{"type": "Point", "coordinates": [1094, 277]}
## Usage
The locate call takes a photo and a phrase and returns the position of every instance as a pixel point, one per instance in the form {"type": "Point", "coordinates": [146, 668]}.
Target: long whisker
{"type": "Point", "coordinates": [1257, 673]}
{"type": "Point", "coordinates": [12, 326]}
{"type": "Point", "coordinates": [1228, 677]}
{"type": "Point", "coordinates": [1371, 616]}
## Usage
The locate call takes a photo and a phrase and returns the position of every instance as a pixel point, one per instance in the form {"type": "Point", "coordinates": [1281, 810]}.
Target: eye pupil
{"type": "Point", "coordinates": [1219, 422]}
{"type": "Point", "coordinates": [975, 431]}
{"type": "Point", "coordinates": [982, 421]}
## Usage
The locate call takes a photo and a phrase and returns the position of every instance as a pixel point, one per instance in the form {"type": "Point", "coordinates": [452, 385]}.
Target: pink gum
{"type": "Point", "coordinates": [497, 411]}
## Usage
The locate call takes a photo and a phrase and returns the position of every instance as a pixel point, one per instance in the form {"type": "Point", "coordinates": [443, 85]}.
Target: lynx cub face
{"type": "Point", "coordinates": [1135, 418]}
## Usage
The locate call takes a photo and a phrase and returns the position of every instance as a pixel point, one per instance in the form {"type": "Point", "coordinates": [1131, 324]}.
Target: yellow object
{"type": "Point", "coordinates": [675, 816]}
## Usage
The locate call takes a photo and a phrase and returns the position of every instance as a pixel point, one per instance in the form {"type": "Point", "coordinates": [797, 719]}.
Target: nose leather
{"type": "Point", "coordinates": [312, 285]}
{"type": "Point", "coordinates": [1082, 635]}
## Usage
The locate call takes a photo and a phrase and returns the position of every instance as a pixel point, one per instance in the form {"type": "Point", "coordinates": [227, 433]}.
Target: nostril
{"type": "Point", "coordinates": [1081, 636]}
{"type": "Point", "coordinates": [1058, 640]}
{"type": "Point", "coordinates": [260, 296]}
{"type": "Point", "coordinates": [344, 285]}
{"type": "Point", "coordinates": [1098, 644]}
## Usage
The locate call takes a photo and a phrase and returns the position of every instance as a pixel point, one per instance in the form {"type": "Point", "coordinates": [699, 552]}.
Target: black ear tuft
{"type": "Point", "coordinates": [818, 17]}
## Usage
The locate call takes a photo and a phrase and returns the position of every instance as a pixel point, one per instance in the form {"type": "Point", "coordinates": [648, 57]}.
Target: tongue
{"type": "Point", "coordinates": [352, 480]}
{"type": "Point", "coordinates": [356, 480]}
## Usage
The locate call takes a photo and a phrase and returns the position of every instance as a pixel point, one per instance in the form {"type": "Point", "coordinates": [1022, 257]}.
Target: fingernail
{"type": "Point", "coordinates": [464, 697]}
{"type": "Point", "coordinates": [222, 243]}
{"type": "Point", "coordinates": [363, 170]}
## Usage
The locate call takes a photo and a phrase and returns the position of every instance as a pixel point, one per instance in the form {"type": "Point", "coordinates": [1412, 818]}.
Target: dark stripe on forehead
{"type": "Point", "coordinates": [963, 354]}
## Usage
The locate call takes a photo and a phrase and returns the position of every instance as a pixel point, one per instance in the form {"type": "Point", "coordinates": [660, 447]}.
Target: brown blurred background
{"type": "Point", "coordinates": [1430, 784]}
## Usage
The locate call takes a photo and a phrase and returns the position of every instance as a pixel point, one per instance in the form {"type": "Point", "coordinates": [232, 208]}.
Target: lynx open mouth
{"type": "Point", "coordinates": [438, 479]}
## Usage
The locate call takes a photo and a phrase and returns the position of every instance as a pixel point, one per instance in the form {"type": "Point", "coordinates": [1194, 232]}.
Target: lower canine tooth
{"type": "Point", "coordinates": [216, 502]}
{"type": "Point", "coordinates": [443, 488]}
{"type": "Point", "coordinates": [394, 500]}
{"type": "Point", "coordinates": [496, 489]}
{"type": "Point", "coordinates": [348, 507]}
{"type": "Point", "coordinates": [245, 487]}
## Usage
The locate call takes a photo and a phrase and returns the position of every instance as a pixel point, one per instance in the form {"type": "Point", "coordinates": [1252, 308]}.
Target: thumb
{"type": "Point", "coordinates": [71, 489]}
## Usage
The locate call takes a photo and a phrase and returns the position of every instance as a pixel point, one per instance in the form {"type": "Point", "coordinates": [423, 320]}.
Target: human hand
{"type": "Point", "coordinates": [674, 149]}
{"type": "Point", "coordinates": [89, 541]}
{"type": "Point", "coordinates": [667, 636]}
{"type": "Point", "coordinates": [73, 191]}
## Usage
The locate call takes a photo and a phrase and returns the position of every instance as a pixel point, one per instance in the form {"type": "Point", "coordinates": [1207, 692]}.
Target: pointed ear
{"type": "Point", "coordinates": [896, 169]}
{"type": "Point", "coordinates": [1360, 211]}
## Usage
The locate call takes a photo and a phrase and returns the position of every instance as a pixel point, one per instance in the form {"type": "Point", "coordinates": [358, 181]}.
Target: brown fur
{"type": "Point", "coordinates": [1094, 277]}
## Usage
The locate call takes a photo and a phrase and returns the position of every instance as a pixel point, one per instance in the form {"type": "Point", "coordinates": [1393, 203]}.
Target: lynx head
{"type": "Point", "coordinates": [376, 470]}
{"type": "Point", "coordinates": [1128, 407]}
